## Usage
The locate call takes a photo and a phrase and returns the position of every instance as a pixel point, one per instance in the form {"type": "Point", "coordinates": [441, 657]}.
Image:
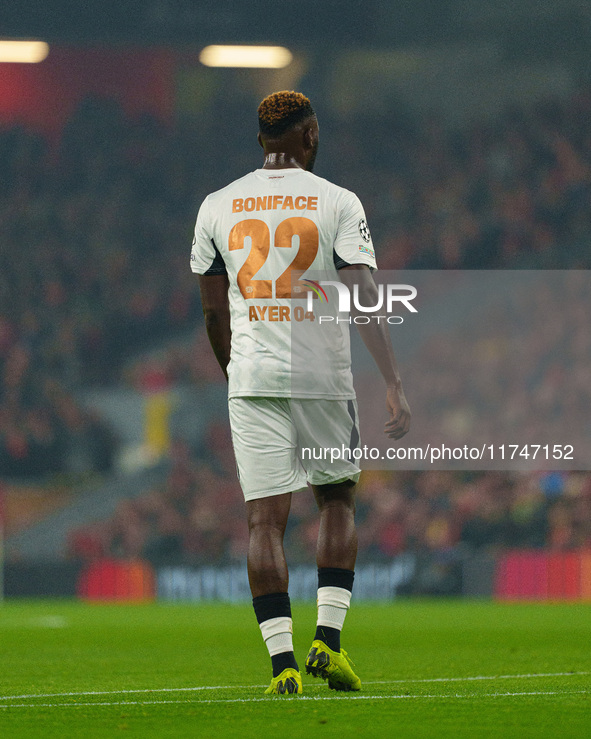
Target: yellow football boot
{"type": "Point", "coordinates": [288, 683]}
{"type": "Point", "coordinates": [332, 666]}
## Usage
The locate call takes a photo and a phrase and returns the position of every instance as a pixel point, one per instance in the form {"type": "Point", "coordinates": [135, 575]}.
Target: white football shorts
{"type": "Point", "coordinates": [283, 443]}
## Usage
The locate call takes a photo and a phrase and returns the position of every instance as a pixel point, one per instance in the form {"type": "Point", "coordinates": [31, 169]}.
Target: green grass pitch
{"type": "Point", "coordinates": [429, 669]}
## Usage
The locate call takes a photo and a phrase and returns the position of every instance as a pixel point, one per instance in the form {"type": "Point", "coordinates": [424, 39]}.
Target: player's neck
{"type": "Point", "coordinates": [280, 160]}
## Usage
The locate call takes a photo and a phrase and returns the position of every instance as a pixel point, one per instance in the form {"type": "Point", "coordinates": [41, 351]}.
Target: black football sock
{"type": "Point", "coordinates": [331, 637]}
{"type": "Point", "coordinates": [282, 661]}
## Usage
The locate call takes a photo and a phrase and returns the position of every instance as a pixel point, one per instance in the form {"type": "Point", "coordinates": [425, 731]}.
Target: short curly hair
{"type": "Point", "coordinates": [282, 110]}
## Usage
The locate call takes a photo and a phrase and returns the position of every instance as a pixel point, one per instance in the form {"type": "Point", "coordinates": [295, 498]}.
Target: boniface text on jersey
{"type": "Point", "coordinates": [275, 202]}
{"type": "Point", "coordinates": [388, 295]}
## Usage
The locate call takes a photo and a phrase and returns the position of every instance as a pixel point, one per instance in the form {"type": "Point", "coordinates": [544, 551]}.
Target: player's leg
{"type": "Point", "coordinates": [332, 425]}
{"type": "Point", "coordinates": [337, 536]}
{"type": "Point", "coordinates": [268, 578]}
{"type": "Point", "coordinates": [267, 568]}
{"type": "Point", "coordinates": [264, 448]}
{"type": "Point", "coordinates": [336, 555]}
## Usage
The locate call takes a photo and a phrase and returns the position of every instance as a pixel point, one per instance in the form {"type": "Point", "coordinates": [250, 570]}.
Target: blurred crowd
{"type": "Point", "coordinates": [505, 193]}
{"type": "Point", "coordinates": [514, 192]}
{"type": "Point", "coordinates": [197, 516]}
{"type": "Point", "coordinates": [93, 265]}
{"type": "Point", "coordinates": [515, 371]}
{"type": "Point", "coordinates": [96, 233]}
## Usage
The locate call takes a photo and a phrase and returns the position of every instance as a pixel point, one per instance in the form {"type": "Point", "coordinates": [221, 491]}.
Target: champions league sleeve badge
{"type": "Point", "coordinates": [364, 230]}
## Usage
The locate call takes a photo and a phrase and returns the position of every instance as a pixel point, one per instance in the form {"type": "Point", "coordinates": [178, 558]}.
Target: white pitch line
{"type": "Point", "coordinates": [476, 677]}
{"type": "Point", "coordinates": [249, 687]}
{"type": "Point", "coordinates": [124, 692]}
{"type": "Point", "coordinates": [300, 698]}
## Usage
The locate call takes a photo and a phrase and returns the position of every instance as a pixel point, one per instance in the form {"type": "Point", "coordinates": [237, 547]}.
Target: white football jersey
{"type": "Point", "coordinates": [259, 230]}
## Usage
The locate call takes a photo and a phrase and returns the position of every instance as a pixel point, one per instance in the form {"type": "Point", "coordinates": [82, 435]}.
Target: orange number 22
{"type": "Point", "coordinates": [260, 237]}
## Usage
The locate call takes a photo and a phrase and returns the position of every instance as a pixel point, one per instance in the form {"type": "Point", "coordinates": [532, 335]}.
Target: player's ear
{"type": "Point", "coordinates": [311, 136]}
{"type": "Point", "coordinates": [260, 140]}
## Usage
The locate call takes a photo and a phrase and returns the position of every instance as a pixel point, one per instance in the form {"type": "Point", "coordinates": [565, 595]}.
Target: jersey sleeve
{"type": "Point", "coordinates": [353, 244]}
{"type": "Point", "coordinates": [205, 256]}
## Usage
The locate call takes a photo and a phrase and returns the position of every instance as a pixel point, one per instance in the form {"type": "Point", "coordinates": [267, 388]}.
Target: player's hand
{"type": "Point", "coordinates": [397, 407]}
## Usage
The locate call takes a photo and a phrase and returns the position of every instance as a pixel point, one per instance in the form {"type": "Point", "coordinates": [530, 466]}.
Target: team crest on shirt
{"type": "Point", "coordinates": [364, 230]}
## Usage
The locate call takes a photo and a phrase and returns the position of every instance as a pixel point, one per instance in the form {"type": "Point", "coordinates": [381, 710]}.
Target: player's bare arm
{"type": "Point", "coordinates": [216, 310]}
{"type": "Point", "coordinates": [376, 338]}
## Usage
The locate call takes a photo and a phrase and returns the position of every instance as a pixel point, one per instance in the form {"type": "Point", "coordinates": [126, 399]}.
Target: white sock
{"type": "Point", "coordinates": [333, 604]}
{"type": "Point", "coordinates": [278, 635]}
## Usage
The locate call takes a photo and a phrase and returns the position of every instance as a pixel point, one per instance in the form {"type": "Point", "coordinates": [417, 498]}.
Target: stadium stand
{"type": "Point", "coordinates": [95, 269]}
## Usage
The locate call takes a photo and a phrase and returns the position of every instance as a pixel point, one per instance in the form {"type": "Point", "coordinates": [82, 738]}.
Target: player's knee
{"type": "Point", "coordinates": [267, 515]}
{"type": "Point", "coordinates": [265, 527]}
{"type": "Point", "coordinates": [342, 495]}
